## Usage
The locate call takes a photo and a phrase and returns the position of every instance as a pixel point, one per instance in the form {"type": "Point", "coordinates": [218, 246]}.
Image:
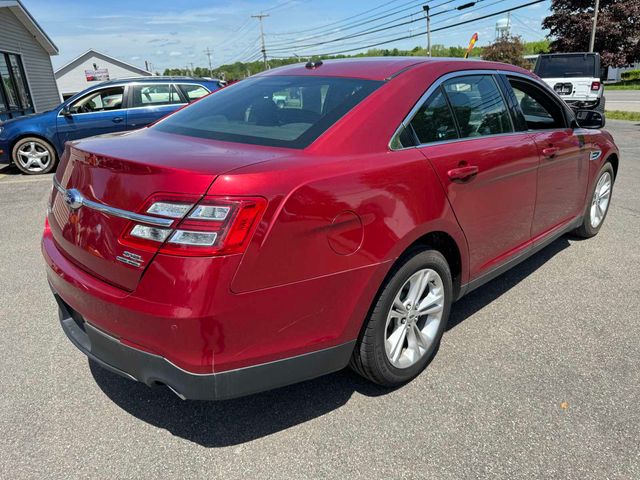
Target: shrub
{"type": "Point", "coordinates": [630, 75]}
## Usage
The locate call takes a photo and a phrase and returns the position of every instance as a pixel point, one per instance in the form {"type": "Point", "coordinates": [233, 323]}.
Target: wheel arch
{"type": "Point", "coordinates": [614, 161]}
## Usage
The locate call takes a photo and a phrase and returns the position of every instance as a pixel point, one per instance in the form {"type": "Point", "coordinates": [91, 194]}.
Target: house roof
{"type": "Point", "coordinates": [23, 15]}
{"type": "Point", "coordinates": [94, 53]}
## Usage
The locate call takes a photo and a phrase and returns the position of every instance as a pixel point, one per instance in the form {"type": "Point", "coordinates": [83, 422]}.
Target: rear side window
{"type": "Point", "coordinates": [193, 92]}
{"type": "Point", "coordinates": [154, 94]}
{"type": "Point", "coordinates": [434, 121]}
{"type": "Point", "coordinates": [553, 66]}
{"type": "Point", "coordinates": [279, 111]}
{"type": "Point", "coordinates": [478, 106]}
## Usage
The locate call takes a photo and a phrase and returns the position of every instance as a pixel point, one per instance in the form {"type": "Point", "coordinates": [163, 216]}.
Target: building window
{"type": "Point", "coordinates": [15, 99]}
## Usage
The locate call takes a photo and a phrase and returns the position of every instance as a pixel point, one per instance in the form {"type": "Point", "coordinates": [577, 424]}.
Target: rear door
{"type": "Point", "coordinates": [563, 172]}
{"type": "Point", "coordinates": [100, 111]}
{"type": "Point", "coordinates": [151, 101]}
{"type": "Point", "coordinates": [487, 170]}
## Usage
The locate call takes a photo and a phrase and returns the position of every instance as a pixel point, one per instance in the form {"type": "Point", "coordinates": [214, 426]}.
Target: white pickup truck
{"type": "Point", "coordinates": [575, 77]}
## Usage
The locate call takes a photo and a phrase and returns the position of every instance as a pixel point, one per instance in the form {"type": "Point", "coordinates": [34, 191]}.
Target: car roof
{"type": "Point", "coordinates": [383, 68]}
{"type": "Point", "coordinates": [160, 79]}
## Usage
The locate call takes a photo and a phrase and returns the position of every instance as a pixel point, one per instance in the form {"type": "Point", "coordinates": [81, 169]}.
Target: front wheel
{"type": "Point", "coordinates": [598, 207]}
{"type": "Point", "coordinates": [406, 324]}
{"type": "Point", "coordinates": [34, 156]}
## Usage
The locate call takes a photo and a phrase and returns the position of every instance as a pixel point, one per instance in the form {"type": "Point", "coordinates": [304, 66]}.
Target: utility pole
{"type": "Point", "coordinates": [209, 53]}
{"type": "Point", "coordinates": [593, 29]}
{"type": "Point", "coordinates": [263, 49]}
{"type": "Point", "coordinates": [426, 12]}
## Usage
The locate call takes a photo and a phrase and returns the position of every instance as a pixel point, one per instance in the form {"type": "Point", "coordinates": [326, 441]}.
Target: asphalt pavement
{"type": "Point", "coordinates": [625, 100]}
{"type": "Point", "coordinates": [538, 376]}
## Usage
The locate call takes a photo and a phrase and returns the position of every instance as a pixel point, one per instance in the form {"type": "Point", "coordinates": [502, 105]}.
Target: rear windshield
{"type": "Point", "coordinates": [274, 111]}
{"type": "Point", "coordinates": [566, 66]}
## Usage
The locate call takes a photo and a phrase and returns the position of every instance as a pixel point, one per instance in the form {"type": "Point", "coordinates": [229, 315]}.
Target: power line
{"type": "Point", "coordinates": [320, 27]}
{"type": "Point", "coordinates": [433, 31]}
{"type": "Point", "coordinates": [352, 25]}
{"type": "Point", "coordinates": [379, 28]}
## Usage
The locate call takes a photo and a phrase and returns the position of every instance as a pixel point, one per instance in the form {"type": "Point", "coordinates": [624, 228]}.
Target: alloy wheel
{"type": "Point", "coordinates": [413, 320]}
{"type": "Point", "coordinates": [33, 156]}
{"type": "Point", "coordinates": [600, 200]}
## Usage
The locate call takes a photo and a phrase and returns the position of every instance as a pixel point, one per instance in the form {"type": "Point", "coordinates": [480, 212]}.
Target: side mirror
{"type": "Point", "coordinates": [590, 119]}
{"type": "Point", "coordinates": [66, 111]}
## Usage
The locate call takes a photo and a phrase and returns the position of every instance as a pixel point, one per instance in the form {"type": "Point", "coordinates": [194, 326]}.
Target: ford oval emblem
{"type": "Point", "coordinates": [73, 198]}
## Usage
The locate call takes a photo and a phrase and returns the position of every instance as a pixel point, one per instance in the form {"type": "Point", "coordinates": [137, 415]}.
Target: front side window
{"type": "Point", "coordinates": [154, 94]}
{"type": "Point", "coordinates": [193, 91]}
{"type": "Point", "coordinates": [540, 111]}
{"type": "Point", "coordinates": [250, 111]}
{"type": "Point", "coordinates": [99, 101]}
{"type": "Point", "coordinates": [434, 121]}
{"type": "Point", "coordinates": [478, 106]}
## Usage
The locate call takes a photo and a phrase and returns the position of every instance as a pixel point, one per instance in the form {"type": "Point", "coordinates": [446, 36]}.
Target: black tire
{"type": "Point", "coordinates": [39, 146]}
{"type": "Point", "coordinates": [587, 230]}
{"type": "Point", "coordinates": [600, 107]}
{"type": "Point", "coordinates": [369, 357]}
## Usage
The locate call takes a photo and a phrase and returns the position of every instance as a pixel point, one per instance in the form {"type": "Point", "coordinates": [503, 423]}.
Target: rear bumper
{"type": "Point", "coordinates": [152, 369]}
{"type": "Point", "coordinates": [586, 103]}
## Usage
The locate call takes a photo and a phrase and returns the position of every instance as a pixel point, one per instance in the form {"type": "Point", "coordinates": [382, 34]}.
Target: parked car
{"type": "Point", "coordinates": [237, 245]}
{"type": "Point", "coordinates": [575, 77]}
{"type": "Point", "coordinates": [34, 143]}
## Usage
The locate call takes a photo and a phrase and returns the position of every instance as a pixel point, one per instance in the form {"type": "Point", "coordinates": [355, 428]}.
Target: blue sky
{"type": "Point", "coordinates": [175, 33]}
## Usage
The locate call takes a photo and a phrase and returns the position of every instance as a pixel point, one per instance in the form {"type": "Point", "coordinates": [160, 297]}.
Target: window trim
{"type": "Point", "coordinates": [463, 73]}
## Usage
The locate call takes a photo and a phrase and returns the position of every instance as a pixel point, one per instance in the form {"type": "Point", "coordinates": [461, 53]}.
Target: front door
{"type": "Point", "coordinates": [564, 163]}
{"type": "Point", "coordinates": [488, 171]}
{"type": "Point", "coordinates": [98, 112]}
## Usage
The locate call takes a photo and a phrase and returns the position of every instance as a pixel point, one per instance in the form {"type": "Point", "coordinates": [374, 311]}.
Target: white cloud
{"type": "Point", "coordinates": [175, 54]}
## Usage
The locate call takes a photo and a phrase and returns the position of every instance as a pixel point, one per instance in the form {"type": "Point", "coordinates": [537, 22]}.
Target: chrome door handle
{"type": "Point", "coordinates": [117, 119]}
{"type": "Point", "coordinates": [550, 151]}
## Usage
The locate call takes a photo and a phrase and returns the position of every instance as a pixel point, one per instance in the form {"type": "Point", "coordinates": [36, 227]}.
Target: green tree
{"type": "Point", "coordinates": [507, 49]}
{"type": "Point", "coordinates": [617, 31]}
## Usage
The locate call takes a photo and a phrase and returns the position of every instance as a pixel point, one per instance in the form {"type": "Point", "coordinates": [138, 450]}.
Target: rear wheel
{"type": "Point", "coordinates": [34, 156]}
{"type": "Point", "coordinates": [598, 206]}
{"type": "Point", "coordinates": [600, 107]}
{"type": "Point", "coordinates": [406, 324]}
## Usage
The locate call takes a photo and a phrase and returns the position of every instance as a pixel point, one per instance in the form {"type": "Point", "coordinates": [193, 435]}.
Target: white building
{"type": "Point", "coordinates": [93, 67]}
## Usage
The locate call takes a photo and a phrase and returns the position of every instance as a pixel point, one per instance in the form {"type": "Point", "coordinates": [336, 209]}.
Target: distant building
{"type": "Point", "coordinates": [93, 67]}
{"type": "Point", "coordinates": [27, 83]}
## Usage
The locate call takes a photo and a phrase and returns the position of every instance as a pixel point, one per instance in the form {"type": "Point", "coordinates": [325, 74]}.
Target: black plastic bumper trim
{"type": "Point", "coordinates": [152, 369]}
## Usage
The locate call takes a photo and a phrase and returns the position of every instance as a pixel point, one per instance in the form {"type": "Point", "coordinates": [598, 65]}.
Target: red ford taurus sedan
{"type": "Point", "coordinates": [314, 216]}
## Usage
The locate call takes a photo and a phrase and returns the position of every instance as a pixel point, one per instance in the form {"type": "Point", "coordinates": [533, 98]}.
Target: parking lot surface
{"type": "Point", "coordinates": [538, 376]}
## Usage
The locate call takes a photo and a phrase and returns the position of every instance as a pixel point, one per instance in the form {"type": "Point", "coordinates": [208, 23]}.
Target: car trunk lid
{"type": "Point", "coordinates": [115, 176]}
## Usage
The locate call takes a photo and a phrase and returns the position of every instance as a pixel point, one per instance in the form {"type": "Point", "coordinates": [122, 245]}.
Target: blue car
{"type": "Point", "coordinates": [35, 142]}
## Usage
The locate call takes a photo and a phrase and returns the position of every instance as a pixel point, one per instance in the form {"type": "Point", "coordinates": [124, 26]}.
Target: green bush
{"type": "Point", "coordinates": [630, 75]}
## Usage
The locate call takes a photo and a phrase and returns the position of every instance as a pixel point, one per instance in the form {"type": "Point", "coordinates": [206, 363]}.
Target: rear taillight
{"type": "Point", "coordinates": [595, 85]}
{"type": "Point", "coordinates": [213, 226]}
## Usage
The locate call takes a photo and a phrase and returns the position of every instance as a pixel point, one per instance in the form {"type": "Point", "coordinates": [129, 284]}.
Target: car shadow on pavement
{"type": "Point", "coordinates": [233, 422]}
